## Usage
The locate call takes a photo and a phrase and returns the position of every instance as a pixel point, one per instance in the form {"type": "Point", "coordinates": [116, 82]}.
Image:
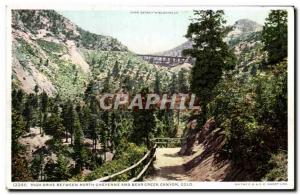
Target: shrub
{"type": "Point", "coordinates": [51, 46]}
{"type": "Point", "coordinates": [279, 165]}
{"type": "Point", "coordinates": [252, 110]}
{"type": "Point", "coordinates": [129, 156]}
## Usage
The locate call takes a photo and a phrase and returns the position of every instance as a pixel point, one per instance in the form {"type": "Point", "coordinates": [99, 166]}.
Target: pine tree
{"type": "Point", "coordinates": [36, 166]}
{"type": "Point", "coordinates": [157, 87]}
{"type": "Point", "coordinates": [84, 114]}
{"type": "Point", "coordinates": [19, 167]}
{"type": "Point", "coordinates": [62, 168]}
{"type": "Point", "coordinates": [183, 87]}
{"type": "Point", "coordinates": [116, 70]}
{"type": "Point", "coordinates": [43, 109]}
{"type": "Point", "coordinates": [183, 81]}
{"type": "Point", "coordinates": [169, 120]}
{"type": "Point", "coordinates": [137, 83]}
{"type": "Point", "coordinates": [173, 85]}
{"type": "Point", "coordinates": [44, 102]}
{"type": "Point", "coordinates": [128, 84]}
{"type": "Point", "coordinates": [47, 62]}
{"type": "Point", "coordinates": [36, 89]}
{"type": "Point", "coordinates": [78, 144]}
{"type": "Point", "coordinates": [71, 124]}
{"type": "Point", "coordinates": [18, 128]}
{"type": "Point", "coordinates": [17, 100]}
{"type": "Point", "coordinates": [103, 128]}
{"type": "Point", "coordinates": [113, 129]}
{"type": "Point", "coordinates": [129, 64]}
{"type": "Point", "coordinates": [274, 35]}
{"type": "Point", "coordinates": [143, 124]}
{"type": "Point", "coordinates": [93, 129]}
{"type": "Point", "coordinates": [212, 54]}
{"type": "Point", "coordinates": [64, 116]}
{"type": "Point", "coordinates": [68, 116]}
{"type": "Point", "coordinates": [107, 83]}
{"type": "Point", "coordinates": [28, 111]}
{"type": "Point", "coordinates": [54, 126]}
{"type": "Point", "coordinates": [89, 90]}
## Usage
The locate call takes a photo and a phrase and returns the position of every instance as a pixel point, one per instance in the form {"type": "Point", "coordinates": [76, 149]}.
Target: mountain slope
{"type": "Point", "coordinates": [243, 27]}
{"type": "Point", "coordinates": [45, 52]}
{"type": "Point", "coordinates": [240, 30]}
{"type": "Point", "coordinates": [51, 52]}
{"type": "Point", "coordinates": [177, 50]}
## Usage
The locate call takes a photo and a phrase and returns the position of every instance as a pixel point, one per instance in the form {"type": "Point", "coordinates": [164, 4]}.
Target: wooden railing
{"type": "Point", "coordinates": [166, 141]}
{"type": "Point", "coordinates": [147, 159]}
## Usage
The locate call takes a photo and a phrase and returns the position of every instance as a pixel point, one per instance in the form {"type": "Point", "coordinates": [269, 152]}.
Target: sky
{"type": "Point", "coordinates": [151, 31]}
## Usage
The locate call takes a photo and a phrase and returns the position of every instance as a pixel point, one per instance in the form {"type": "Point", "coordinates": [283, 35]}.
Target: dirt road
{"type": "Point", "coordinates": [168, 166]}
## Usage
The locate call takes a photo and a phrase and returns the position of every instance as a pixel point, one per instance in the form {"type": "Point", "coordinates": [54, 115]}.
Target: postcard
{"type": "Point", "coordinates": [156, 98]}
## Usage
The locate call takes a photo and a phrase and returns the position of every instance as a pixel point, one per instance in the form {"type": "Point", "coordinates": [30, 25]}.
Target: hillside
{"type": "Point", "coordinates": [51, 52]}
{"type": "Point", "coordinates": [244, 39]}
{"type": "Point", "coordinates": [213, 152]}
{"type": "Point", "coordinates": [240, 31]}
{"type": "Point", "coordinates": [177, 50]}
{"type": "Point", "coordinates": [236, 142]}
{"type": "Point", "coordinates": [59, 72]}
{"type": "Point", "coordinates": [243, 27]}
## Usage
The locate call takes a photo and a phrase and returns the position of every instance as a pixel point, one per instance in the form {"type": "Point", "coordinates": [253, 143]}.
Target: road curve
{"type": "Point", "coordinates": [168, 166]}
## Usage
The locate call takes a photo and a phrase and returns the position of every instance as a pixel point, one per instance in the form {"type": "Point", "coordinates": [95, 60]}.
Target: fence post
{"type": "Point", "coordinates": [105, 175]}
{"type": "Point", "coordinates": [145, 161]}
{"type": "Point", "coordinates": [132, 172]}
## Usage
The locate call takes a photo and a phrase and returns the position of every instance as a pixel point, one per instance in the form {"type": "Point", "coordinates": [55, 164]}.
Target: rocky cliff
{"type": "Point", "coordinates": [50, 53]}
{"type": "Point", "coordinates": [47, 52]}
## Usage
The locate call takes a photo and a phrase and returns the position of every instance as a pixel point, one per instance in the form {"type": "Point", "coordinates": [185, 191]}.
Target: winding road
{"type": "Point", "coordinates": [168, 166]}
